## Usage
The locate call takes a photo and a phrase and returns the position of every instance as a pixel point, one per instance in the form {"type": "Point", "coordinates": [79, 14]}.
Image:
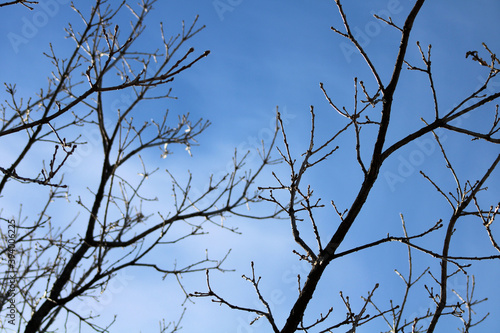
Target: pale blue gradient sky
{"type": "Point", "coordinates": [268, 53]}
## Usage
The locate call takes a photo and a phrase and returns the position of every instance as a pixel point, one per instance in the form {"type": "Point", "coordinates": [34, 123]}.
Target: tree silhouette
{"type": "Point", "coordinates": [56, 259]}
{"type": "Point", "coordinates": [321, 248]}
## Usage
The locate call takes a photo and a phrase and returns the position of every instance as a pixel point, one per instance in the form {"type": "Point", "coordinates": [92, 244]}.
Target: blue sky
{"type": "Point", "coordinates": [266, 54]}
